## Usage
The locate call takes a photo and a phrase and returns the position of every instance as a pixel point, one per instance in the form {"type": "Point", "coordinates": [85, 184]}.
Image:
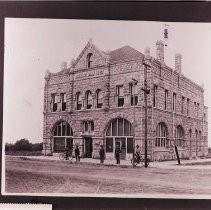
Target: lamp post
{"type": "Point", "coordinates": [133, 100]}
{"type": "Point", "coordinates": [146, 92]}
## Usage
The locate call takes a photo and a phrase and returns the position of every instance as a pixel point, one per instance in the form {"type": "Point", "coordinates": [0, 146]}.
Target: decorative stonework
{"type": "Point", "coordinates": [105, 76]}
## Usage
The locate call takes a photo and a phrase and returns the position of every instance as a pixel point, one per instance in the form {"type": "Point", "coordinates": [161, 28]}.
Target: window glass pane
{"type": "Point", "coordinates": [108, 133]}
{"type": "Point", "coordinates": [59, 130]}
{"type": "Point", "coordinates": [120, 127]}
{"type": "Point", "coordinates": [85, 126]}
{"type": "Point", "coordinates": [131, 130]}
{"type": "Point", "coordinates": [109, 144]}
{"type": "Point", "coordinates": [64, 98]}
{"type": "Point", "coordinates": [68, 130]}
{"type": "Point", "coordinates": [55, 131]}
{"type": "Point", "coordinates": [126, 128]}
{"type": "Point", "coordinates": [120, 91]}
{"type": "Point", "coordinates": [114, 128]}
{"type": "Point", "coordinates": [92, 126]}
{"type": "Point", "coordinates": [130, 145]}
{"type": "Point", "coordinates": [63, 129]}
{"type": "Point", "coordinates": [59, 144]}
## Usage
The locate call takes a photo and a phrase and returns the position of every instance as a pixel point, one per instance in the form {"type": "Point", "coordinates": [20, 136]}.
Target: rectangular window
{"type": "Point", "coordinates": [54, 100]}
{"type": "Point", "coordinates": [109, 144]}
{"type": "Point", "coordinates": [120, 95]}
{"type": "Point", "coordinates": [63, 97]}
{"type": "Point", "coordinates": [174, 102]}
{"type": "Point", "coordinates": [99, 99]}
{"type": "Point", "coordinates": [188, 106]}
{"type": "Point", "coordinates": [183, 101]}
{"type": "Point", "coordinates": [59, 144]}
{"type": "Point", "coordinates": [166, 99]}
{"type": "Point", "coordinates": [129, 145]}
{"type": "Point", "coordinates": [155, 96]}
{"type": "Point", "coordinates": [133, 94]}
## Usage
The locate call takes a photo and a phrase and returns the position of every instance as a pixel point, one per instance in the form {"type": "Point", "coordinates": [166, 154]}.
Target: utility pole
{"type": "Point", "coordinates": [146, 92]}
{"type": "Point", "coordinates": [133, 100]}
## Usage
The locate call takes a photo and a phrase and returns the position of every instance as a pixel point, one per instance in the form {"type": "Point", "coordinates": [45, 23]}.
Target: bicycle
{"type": "Point", "coordinates": [62, 156]}
{"type": "Point", "coordinates": [135, 161]}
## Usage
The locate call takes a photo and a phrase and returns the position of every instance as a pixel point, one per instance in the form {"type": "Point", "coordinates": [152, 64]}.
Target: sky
{"type": "Point", "coordinates": [33, 46]}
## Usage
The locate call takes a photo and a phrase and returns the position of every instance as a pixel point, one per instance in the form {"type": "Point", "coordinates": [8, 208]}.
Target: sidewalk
{"type": "Point", "coordinates": [172, 164]}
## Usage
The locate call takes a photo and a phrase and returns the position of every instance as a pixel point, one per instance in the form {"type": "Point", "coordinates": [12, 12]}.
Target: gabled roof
{"type": "Point", "coordinates": [125, 53]}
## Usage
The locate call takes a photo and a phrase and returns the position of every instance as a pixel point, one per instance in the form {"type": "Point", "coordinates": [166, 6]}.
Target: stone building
{"type": "Point", "coordinates": [99, 100]}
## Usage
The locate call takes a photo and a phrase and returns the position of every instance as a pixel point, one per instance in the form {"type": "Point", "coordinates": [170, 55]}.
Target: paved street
{"type": "Point", "coordinates": [25, 175]}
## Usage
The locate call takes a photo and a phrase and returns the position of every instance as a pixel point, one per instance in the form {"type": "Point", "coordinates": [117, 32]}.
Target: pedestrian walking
{"type": "Point", "coordinates": [138, 153]}
{"type": "Point", "coordinates": [117, 154]}
{"type": "Point", "coordinates": [77, 154]}
{"type": "Point", "coordinates": [102, 154]}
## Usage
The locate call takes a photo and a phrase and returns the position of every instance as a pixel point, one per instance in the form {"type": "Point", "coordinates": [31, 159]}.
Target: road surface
{"type": "Point", "coordinates": [36, 176]}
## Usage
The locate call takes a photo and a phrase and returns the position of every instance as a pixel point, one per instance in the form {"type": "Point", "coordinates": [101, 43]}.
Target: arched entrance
{"type": "Point", "coordinates": [119, 132]}
{"type": "Point", "coordinates": [62, 137]}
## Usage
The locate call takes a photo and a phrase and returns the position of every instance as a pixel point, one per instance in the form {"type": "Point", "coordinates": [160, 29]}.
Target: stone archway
{"type": "Point", "coordinates": [120, 133]}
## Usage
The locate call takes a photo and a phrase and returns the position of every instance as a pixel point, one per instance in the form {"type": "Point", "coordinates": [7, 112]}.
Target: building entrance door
{"type": "Point", "coordinates": [88, 147]}
{"type": "Point", "coordinates": [69, 144]}
{"type": "Point", "coordinates": [121, 142]}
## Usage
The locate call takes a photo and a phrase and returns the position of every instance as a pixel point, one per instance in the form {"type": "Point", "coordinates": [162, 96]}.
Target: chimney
{"type": "Point", "coordinates": [160, 51]}
{"type": "Point", "coordinates": [63, 65]}
{"type": "Point", "coordinates": [147, 53]}
{"type": "Point", "coordinates": [72, 63]}
{"type": "Point", "coordinates": [178, 63]}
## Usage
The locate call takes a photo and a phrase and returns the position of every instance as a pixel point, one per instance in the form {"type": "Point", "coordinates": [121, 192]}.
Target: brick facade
{"type": "Point", "coordinates": [94, 71]}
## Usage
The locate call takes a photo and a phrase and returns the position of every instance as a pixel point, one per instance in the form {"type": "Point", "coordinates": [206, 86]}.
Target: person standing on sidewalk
{"type": "Point", "coordinates": [117, 154]}
{"type": "Point", "coordinates": [77, 154]}
{"type": "Point", "coordinates": [102, 154]}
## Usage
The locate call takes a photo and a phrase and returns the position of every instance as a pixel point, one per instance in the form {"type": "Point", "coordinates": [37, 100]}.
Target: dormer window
{"type": "Point", "coordinates": [89, 60]}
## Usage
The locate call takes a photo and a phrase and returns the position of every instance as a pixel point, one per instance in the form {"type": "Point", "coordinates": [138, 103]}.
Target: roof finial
{"type": "Point", "coordinates": [90, 40]}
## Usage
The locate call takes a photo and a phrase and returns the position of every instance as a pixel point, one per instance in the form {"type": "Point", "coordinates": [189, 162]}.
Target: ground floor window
{"type": "Point", "coordinates": [62, 137]}
{"type": "Point", "coordinates": [109, 145]}
{"type": "Point", "coordinates": [161, 135]}
{"type": "Point", "coordinates": [120, 133]}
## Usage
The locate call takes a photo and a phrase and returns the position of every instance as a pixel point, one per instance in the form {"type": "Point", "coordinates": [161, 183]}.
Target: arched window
{"type": "Point", "coordinates": [89, 60]}
{"type": "Point", "coordinates": [62, 136]}
{"type": "Point", "coordinates": [161, 135]}
{"type": "Point", "coordinates": [99, 99]}
{"type": "Point", "coordinates": [179, 136]}
{"type": "Point", "coordinates": [120, 133]}
{"type": "Point", "coordinates": [78, 101]}
{"type": "Point", "coordinates": [88, 100]}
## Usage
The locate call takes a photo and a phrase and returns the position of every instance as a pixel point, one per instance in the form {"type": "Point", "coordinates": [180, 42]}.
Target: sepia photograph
{"type": "Point", "coordinates": [106, 108]}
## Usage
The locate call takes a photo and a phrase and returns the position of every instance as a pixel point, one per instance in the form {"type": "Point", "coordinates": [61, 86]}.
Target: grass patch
{"type": "Point", "coordinates": [24, 153]}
